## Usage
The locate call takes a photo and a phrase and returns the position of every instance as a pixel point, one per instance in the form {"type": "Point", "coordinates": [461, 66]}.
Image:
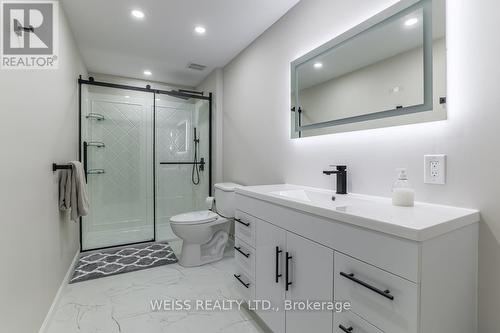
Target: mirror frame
{"type": "Point", "coordinates": [393, 12]}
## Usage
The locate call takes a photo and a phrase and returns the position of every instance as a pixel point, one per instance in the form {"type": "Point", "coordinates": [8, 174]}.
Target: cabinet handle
{"type": "Point", "coordinates": [345, 329]}
{"type": "Point", "coordinates": [288, 283]}
{"type": "Point", "coordinates": [246, 285]}
{"type": "Point", "coordinates": [243, 253]}
{"type": "Point", "coordinates": [244, 223]}
{"type": "Point", "coordinates": [277, 275]}
{"type": "Point", "coordinates": [385, 293]}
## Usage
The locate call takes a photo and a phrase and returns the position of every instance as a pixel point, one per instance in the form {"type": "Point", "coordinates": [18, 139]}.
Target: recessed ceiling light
{"type": "Point", "coordinates": [127, 96]}
{"type": "Point", "coordinates": [200, 30]}
{"type": "Point", "coordinates": [411, 22]}
{"type": "Point", "coordinates": [148, 73]}
{"type": "Point", "coordinates": [137, 14]}
{"type": "Point", "coordinates": [318, 65]}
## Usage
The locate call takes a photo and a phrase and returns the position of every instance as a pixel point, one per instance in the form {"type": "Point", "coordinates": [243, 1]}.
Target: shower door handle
{"type": "Point", "coordinates": [85, 149]}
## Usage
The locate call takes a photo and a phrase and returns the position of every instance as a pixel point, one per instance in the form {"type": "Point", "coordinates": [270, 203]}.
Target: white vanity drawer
{"type": "Point", "coordinates": [244, 227]}
{"type": "Point", "coordinates": [245, 257]}
{"type": "Point", "coordinates": [348, 322]}
{"type": "Point", "coordinates": [387, 301]}
{"type": "Point", "coordinates": [245, 285]}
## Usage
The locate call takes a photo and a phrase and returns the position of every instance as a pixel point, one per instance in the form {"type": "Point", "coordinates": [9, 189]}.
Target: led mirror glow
{"type": "Point", "coordinates": [137, 14]}
{"type": "Point", "coordinates": [200, 30]}
{"type": "Point", "coordinates": [411, 22]}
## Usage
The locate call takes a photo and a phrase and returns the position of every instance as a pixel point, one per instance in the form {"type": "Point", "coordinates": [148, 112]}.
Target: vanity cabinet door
{"type": "Point", "coordinates": [385, 300]}
{"type": "Point", "coordinates": [310, 272]}
{"type": "Point", "coordinates": [269, 275]}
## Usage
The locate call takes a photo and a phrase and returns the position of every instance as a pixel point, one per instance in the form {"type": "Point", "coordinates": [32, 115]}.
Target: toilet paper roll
{"type": "Point", "coordinates": [210, 202]}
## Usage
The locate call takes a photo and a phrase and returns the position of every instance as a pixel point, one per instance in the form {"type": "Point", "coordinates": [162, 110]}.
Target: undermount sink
{"type": "Point", "coordinates": [423, 221]}
{"type": "Point", "coordinates": [320, 197]}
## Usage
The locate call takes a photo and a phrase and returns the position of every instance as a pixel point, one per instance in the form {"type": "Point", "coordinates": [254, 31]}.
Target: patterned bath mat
{"type": "Point", "coordinates": [101, 263]}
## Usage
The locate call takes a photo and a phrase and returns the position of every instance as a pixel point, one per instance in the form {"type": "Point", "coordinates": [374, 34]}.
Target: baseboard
{"type": "Point", "coordinates": [53, 307]}
{"type": "Point", "coordinates": [263, 328]}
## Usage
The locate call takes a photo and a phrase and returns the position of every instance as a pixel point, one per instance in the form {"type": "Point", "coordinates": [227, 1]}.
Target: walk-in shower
{"type": "Point", "coordinates": [146, 153]}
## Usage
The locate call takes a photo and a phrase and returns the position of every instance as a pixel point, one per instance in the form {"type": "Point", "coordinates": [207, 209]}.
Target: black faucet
{"type": "Point", "coordinates": [341, 173]}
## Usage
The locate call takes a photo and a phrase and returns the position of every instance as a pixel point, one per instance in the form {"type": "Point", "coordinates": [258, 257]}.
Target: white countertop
{"type": "Point", "coordinates": [419, 223]}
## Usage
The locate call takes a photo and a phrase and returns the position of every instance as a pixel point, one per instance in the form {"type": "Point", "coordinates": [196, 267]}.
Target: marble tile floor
{"type": "Point", "coordinates": [122, 303]}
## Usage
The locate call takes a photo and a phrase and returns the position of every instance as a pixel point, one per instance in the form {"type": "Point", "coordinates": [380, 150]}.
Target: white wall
{"type": "Point", "coordinates": [38, 126]}
{"type": "Point", "coordinates": [213, 83]}
{"type": "Point", "coordinates": [258, 148]}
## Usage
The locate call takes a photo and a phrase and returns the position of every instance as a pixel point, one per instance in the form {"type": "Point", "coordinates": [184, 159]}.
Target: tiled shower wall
{"type": "Point", "coordinates": [176, 193]}
{"type": "Point", "coordinates": [121, 200]}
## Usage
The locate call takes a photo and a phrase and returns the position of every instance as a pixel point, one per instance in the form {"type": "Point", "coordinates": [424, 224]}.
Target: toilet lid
{"type": "Point", "coordinates": [198, 217]}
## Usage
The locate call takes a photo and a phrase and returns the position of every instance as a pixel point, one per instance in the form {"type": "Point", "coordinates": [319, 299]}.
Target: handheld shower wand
{"type": "Point", "coordinates": [195, 173]}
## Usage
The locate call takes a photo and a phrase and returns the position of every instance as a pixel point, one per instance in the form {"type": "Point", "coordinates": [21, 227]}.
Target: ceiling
{"type": "Point", "coordinates": [113, 42]}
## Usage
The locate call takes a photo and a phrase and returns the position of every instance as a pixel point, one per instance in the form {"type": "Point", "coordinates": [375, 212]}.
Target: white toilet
{"type": "Point", "coordinates": [205, 233]}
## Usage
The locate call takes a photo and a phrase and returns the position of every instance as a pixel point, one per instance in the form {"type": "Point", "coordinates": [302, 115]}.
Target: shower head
{"type": "Point", "coordinates": [196, 139]}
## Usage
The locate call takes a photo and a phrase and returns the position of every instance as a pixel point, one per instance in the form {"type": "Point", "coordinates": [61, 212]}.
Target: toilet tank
{"type": "Point", "coordinates": [224, 198]}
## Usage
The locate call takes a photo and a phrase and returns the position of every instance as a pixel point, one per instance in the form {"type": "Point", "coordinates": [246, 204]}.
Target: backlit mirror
{"type": "Point", "coordinates": [391, 66]}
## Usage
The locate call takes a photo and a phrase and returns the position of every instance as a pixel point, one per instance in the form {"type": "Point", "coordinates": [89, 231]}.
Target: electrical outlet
{"type": "Point", "coordinates": [435, 169]}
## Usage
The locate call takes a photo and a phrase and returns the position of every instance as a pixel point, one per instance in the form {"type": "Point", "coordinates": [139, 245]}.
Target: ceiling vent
{"type": "Point", "coordinates": [196, 67]}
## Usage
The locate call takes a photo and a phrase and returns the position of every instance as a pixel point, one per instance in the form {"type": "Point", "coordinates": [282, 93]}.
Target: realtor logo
{"type": "Point", "coordinates": [29, 33]}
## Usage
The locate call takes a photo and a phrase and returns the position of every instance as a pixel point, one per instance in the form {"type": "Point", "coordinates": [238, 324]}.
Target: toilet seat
{"type": "Point", "coordinates": [198, 217]}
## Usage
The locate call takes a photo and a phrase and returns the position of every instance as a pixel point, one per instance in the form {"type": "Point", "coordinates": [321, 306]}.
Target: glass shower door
{"type": "Point", "coordinates": [117, 140]}
{"type": "Point", "coordinates": [182, 128]}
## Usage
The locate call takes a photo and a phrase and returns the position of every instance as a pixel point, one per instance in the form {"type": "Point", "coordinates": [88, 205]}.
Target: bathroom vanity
{"type": "Point", "coordinates": [403, 270]}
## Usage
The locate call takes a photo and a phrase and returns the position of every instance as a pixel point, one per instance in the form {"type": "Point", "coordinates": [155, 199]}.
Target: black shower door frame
{"type": "Point", "coordinates": [174, 93]}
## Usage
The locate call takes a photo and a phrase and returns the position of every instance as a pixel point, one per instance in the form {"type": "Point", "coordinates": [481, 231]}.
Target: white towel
{"type": "Point", "coordinates": [73, 191]}
{"type": "Point", "coordinates": [65, 189]}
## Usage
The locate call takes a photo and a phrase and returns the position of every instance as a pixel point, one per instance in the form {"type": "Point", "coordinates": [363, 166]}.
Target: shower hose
{"type": "Point", "coordinates": [195, 173]}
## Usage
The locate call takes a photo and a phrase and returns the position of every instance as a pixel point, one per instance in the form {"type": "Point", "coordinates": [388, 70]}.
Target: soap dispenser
{"type": "Point", "coordinates": [402, 193]}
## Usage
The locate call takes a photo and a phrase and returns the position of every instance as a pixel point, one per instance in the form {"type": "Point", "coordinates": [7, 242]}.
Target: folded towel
{"type": "Point", "coordinates": [73, 191]}
{"type": "Point", "coordinates": [65, 189]}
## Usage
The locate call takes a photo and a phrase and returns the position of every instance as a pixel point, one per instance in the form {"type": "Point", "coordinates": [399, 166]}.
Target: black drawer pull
{"type": "Point", "coordinates": [247, 285]}
{"type": "Point", "coordinates": [287, 266]}
{"type": "Point", "coordinates": [244, 223]}
{"type": "Point", "coordinates": [345, 329]}
{"type": "Point", "coordinates": [243, 253]}
{"type": "Point", "coordinates": [385, 293]}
